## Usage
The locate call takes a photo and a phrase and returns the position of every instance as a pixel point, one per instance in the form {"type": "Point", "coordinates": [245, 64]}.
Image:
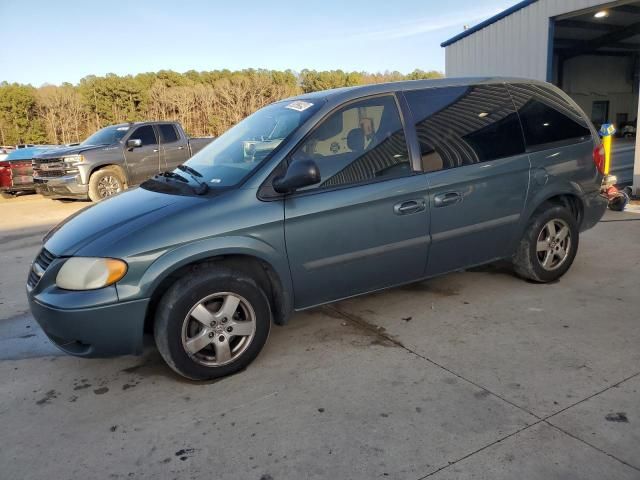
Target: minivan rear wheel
{"type": "Point", "coordinates": [212, 322]}
{"type": "Point", "coordinates": [548, 246]}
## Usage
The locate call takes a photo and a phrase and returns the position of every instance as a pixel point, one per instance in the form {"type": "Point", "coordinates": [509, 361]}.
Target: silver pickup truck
{"type": "Point", "coordinates": [113, 159]}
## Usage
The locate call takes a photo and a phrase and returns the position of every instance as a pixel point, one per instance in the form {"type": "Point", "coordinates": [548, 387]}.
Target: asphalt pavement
{"type": "Point", "coordinates": [476, 374]}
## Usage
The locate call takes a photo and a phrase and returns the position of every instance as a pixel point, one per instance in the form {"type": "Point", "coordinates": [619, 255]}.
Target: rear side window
{"type": "Point", "coordinates": [168, 133]}
{"type": "Point", "coordinates": [546, 117]}
{"type": "Point", "coordinates": [460, 126]}
{"type": "Point", "coordinates": [146, 134]}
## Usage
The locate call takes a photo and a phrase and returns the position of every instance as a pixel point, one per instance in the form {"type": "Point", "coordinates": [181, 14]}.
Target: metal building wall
{"type": "Point", "coordinates": [516, 45]}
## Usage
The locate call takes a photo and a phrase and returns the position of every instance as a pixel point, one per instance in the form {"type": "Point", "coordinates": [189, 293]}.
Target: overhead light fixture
{"type": "Point", "coordinates": [601, 14]}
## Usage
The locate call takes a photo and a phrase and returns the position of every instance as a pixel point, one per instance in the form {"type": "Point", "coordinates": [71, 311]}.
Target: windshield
{"type": "Point", "coordinates": [237, 152]}
{"type": "Point", "coordinates": [107, 136]}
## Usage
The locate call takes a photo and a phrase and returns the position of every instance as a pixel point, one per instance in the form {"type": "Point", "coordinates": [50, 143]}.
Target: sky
{"type": "Point", "coordinates": [64, 40]}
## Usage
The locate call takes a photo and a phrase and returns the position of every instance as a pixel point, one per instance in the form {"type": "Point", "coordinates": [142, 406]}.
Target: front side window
{"type": "Point", "coordinates": [146, 135]}
{"type": "Point", "coordinates": [359, 143]}
{"type": "Point", "coordinates": [458, 126]}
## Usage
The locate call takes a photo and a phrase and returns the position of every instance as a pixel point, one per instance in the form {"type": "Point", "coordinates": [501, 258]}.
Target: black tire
{"type": "Point", "coordinates": [619, 203]}
{"type": "Point", "coordinates": [105, 182]}
{"type": "Point", "coordinates": [527, 261]}
{"type": "Point", "coordinates": [188, 292]}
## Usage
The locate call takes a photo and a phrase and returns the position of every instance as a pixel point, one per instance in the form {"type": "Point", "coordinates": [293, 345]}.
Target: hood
{"type": "Point", "coordinates": [114, 218]}
{"type": "Point", "coordinates": [29, 152]}
{"type": "Point", "coordinates": [73, 150]}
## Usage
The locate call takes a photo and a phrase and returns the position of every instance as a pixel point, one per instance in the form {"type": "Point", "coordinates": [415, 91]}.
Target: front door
{"type": "Point", "coordinates": [143, 162]}
{"type": "Point", "coordinates": [365, 225]}
{"type": "Point", "coordinates": [473, 154]}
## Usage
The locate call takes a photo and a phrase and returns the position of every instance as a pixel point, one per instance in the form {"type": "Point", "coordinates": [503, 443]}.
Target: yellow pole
{"type": "Point", "coordinates": [606, 143]}
{"type": "Point", "coordinates": [606, 131]}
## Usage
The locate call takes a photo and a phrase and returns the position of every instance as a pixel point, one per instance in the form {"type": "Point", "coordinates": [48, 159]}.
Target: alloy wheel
{"type": "Point", "coordinates": [554, 244]}
{"type": "Point", "coordinates": [218, 329]}
{"type": "Point", "coordinates": [109, 185]}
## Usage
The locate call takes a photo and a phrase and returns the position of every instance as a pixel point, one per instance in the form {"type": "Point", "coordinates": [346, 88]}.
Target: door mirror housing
{"type": "Point", "coordinates": [134, 143]}
{"type": "Point", "coordinates": [300, 173]}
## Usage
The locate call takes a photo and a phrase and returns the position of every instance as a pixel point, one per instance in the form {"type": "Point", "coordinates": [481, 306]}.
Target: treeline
{"type": "Point", "coordinates": [206, 103]}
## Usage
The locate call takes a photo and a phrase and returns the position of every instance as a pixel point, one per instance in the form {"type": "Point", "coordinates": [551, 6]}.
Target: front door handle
{"type": "Point", "coordinates": [449, 198]}
{"type": "Point", "coordinates": [409, 206]}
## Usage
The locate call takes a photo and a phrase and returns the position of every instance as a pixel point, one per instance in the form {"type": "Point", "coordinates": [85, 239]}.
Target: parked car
{"type": "Point", "coordinates": [16, 173]}
{"type": "Point", "coordinates": [113, 159]}
{"type": "Point", "coordinates": [629, 129]}
{"type": "Point", "coordinates": [361, 189]}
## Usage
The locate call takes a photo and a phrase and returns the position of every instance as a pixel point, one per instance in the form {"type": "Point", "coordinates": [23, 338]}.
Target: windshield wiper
{"type": "Point", "coordinates": [196, 175]}
{"type": "Point", "coordinates": [180, 178]}
{"type": "Point", "coordinates": [188, 169]}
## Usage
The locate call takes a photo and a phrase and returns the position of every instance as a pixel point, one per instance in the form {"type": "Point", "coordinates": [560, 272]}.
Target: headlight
{"type": "Point", "coordinates": [83, 273]}
{"type": "Point", "coordinates": [72, 162]}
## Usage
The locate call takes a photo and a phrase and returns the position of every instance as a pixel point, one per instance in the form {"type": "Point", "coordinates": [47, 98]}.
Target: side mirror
{"type": "Point", "coordinates": [301, 173]}
{"type": "Point", "coordinates": [134, 143]}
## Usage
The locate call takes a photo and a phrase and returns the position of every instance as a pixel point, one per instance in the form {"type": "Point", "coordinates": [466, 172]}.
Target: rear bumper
{"type": "Point", "coordinates": [595, 204]}
{"type": "Point", "coordinates": [68, 186]}
{"type": "Point", "coordinates": [103, 331]}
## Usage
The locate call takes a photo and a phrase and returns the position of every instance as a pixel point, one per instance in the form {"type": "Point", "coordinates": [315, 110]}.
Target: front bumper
{"type": "Point", "coordinates": [102, 331]}
{"type": "Point", "coordinates": [68, 186]}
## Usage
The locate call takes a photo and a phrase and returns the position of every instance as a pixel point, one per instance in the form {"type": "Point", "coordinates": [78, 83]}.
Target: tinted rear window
{"type": "Point", "coordinates": [459, 126]}
{"type": "Point", "coordinates": [168, 133]}
{"type": "Point", "coordinates": [547, 117]}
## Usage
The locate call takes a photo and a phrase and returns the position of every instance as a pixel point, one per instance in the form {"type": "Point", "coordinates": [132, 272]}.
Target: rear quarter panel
{"type": "Point", "coordinates": [562, 170]}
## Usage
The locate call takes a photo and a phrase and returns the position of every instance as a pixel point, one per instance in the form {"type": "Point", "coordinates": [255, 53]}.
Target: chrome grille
{"type": "Point", "coordinates": [40, 265]}
{"type": "Point", "coordinates": [48, 173]}
{"type": "Point", "coordinates": [37, 161]}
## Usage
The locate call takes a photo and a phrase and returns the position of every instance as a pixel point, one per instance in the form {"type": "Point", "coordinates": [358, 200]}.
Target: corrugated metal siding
{"type": "Point", "coordinates": [513, 46]}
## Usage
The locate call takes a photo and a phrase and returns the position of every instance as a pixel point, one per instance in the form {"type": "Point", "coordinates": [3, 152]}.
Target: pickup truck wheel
{"type": "Point", "coordinates": [548, 246]}
{"type": "Point", "coordinates": [104, 183]}
{"type": "Point", "coordinates": [211, 323]}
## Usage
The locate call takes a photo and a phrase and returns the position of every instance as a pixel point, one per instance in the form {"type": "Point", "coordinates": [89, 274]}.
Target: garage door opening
{"type": "Point", "coordinates": [596, 60]}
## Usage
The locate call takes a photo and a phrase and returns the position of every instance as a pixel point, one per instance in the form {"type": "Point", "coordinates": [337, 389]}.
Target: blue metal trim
{"type": "Point", "coordinates": [552, 30]}
{"type": "Point", "coordinates": [486, 23]}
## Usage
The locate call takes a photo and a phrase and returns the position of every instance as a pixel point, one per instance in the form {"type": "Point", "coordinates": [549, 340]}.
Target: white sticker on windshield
{"type": "Point", "coordinates": [216, 180]}
{"type": "Point", "coordinates": [122, 128]}
{"type": "Point", "coordinates": [299, 105]}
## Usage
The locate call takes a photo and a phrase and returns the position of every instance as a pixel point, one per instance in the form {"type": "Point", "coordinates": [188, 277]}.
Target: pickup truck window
{"type": "Point", "coordinates": [107, 136]}
{"type": "Point", "coordinates": [168, 133]}
{"type": "Point", "coordinates": [146, 134]}
{"type": "Point", "coordinates": [235, 154]}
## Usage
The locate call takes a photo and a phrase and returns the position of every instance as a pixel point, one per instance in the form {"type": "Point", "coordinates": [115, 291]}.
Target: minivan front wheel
{"type": "Point", "coordinates": [211, 323]}
{"type": "Point", "coordinates": [548, 246]}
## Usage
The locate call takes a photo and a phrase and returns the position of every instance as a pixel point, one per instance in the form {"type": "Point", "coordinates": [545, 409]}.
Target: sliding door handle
{"type": "Point", "coordinates": [409, 206]}
{"type": "Point", "coordinates": [449, 198]}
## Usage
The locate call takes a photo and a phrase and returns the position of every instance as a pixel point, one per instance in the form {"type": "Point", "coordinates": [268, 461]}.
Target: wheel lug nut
{"type": "Point", "coordinates": [224, 320]}
{"type": "Point", "coordinates": [221, 338]}
{"type": "Point", "coordinates": [229, 329]}
{"type": "Point", "coordinates": [211, 335]}
{"type": "Point", "coordinates": [213, 324]}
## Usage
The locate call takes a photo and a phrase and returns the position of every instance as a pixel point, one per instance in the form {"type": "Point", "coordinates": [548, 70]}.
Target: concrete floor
{"type": "Point", "coordinates": [471, 375]}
